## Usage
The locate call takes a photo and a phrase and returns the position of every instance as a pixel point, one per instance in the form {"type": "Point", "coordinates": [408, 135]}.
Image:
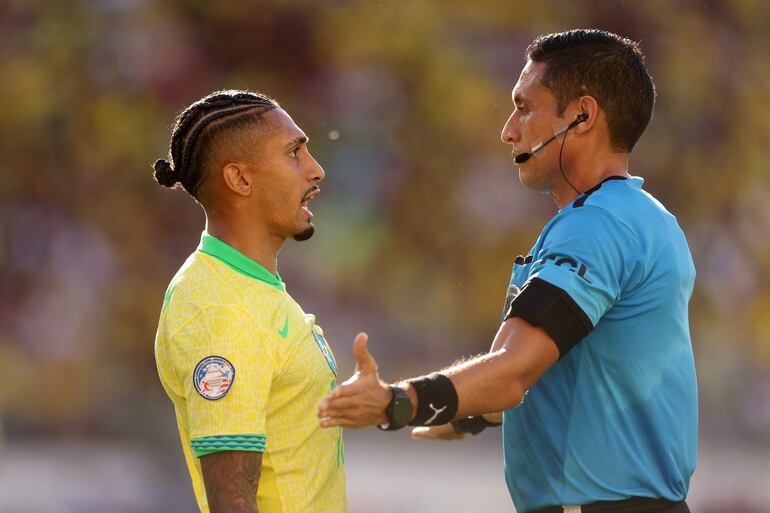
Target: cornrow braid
{"type": "Point", "coordinates": [198, 125]}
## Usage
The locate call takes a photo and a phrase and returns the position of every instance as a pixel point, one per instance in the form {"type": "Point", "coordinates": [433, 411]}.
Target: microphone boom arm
{"type": "Point", "coordinates": [523, 157]}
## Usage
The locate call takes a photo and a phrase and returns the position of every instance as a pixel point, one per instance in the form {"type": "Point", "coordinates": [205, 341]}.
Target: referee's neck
{"type": "Point", "coordinates": [581, 177]}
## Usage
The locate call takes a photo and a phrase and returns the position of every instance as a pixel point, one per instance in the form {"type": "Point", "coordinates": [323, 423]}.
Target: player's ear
{"type": "Point", "coordinates": [237, 179]}
{"type": "Point", "coordinates": [587, 105]}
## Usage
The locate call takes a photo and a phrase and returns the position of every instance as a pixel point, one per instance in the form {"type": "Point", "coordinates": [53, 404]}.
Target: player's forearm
{"type": "Point", "coordinates": [231, 479]}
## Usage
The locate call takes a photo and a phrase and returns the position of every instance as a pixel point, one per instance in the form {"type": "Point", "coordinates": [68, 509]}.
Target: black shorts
{"type": "Point", "coordinates": [632, 505]}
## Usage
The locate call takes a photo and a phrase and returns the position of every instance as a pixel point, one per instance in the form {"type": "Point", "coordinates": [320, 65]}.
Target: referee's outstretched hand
{"type": "Point", "coordinates": [361, 400]}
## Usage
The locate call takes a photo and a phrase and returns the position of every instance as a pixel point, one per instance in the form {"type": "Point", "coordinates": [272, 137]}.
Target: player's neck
{"type": "Point", "coordinates": [255, 243]}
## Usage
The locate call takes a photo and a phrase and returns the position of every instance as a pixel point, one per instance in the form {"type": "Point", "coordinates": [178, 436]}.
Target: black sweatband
{"type": "Point", "coordinates": [543, 304]}
{"type": "Point", "coordinates": [472, 425]}
{"type": "Point", "coordinates": [436, 400]}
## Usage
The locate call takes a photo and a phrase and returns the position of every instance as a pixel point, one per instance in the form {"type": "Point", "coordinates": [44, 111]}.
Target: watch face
{"type": "Point", "coordinates": [402, 411]}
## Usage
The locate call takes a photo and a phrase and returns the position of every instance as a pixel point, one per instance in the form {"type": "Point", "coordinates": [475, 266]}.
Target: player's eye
{"type": "Point", "coordinates": [294, 152]}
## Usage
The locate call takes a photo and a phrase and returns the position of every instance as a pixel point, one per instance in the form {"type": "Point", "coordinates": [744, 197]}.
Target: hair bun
{"type": "Point", "coordinates": [164, 173]}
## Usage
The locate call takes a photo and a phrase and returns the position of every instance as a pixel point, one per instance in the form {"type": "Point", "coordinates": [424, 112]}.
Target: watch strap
{"type": "Point", "coordinates": [397, 394]}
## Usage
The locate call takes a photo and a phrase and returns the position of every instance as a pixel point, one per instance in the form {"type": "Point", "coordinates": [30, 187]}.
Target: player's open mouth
{"type": "Point", "coordinates": [312, 193]}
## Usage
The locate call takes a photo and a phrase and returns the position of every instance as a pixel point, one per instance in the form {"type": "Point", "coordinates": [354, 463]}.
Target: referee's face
{"type": "Point", "coordinates": [534, 120]}
{"type": "Point", "coordinates": [285, 178]}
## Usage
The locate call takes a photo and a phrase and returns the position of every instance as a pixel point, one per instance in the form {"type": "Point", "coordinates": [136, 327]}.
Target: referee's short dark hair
{"type": "Point", "coordinates": [603, 65]}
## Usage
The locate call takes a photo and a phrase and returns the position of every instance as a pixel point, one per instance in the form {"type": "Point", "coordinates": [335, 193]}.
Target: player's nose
{"type": "Point", "coordinates": [316, 173]}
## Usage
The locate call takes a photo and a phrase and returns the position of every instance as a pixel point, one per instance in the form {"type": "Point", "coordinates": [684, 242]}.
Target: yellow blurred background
{"type": "Point", "coordinates": [420, 217]}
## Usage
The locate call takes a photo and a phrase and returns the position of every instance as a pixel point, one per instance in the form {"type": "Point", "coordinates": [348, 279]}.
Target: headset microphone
{"type": "Point", "coordinates": [523, 157]}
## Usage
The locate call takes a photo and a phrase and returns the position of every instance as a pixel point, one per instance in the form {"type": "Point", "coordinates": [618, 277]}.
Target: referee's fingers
{"type": "Point", "coordinates": [329, 422]}
{"type": "Point", "coordinates": [346, 422]}
{"type": "Point", "coordinates": [328, 404]}
{"type": "Point", "coordinates": [445, 432]}
{"type": "Point", "coordinates": [338, 406]}
{"type": "Point", "coordinates": [365, 363]}
{"type": "Point", "coordinates": [341, 391]}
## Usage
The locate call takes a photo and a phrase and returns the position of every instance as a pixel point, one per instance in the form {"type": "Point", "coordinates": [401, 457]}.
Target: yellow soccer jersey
{"type": "Point", "coordinates": [245, 368]}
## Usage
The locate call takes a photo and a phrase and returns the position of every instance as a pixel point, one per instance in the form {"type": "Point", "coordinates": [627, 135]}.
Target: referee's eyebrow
{"type": "Point", "coordinates": [300, 139]}
{"type": "Point", "coordinates": [518, 99]}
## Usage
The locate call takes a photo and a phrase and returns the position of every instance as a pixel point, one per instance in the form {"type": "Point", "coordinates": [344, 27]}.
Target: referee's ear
{"type": "Point", "coordinates": [365, 363]}
{"type": "Point", "coordinates": [587, 105]}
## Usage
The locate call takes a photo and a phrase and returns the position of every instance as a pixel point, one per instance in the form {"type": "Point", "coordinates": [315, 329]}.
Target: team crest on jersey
{"type": "Point", "coordinates": [319, 340]}
{"type": "Point", "coordinates": [213, 377]}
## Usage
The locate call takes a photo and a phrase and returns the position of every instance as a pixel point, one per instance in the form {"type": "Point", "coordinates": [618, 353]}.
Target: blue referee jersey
{"type": "Point", "coordinates": [616, 415]}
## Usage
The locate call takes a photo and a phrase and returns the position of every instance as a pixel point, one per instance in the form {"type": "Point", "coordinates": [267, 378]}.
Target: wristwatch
{"type": "Point", "coordinates": [399, 410]}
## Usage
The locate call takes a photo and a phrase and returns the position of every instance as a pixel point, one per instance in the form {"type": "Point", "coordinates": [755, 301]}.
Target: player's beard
{"type": "Point", "coordinates": [305, 234]}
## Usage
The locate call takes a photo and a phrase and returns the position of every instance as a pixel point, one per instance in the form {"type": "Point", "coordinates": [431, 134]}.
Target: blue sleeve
{"type": "Point", "coordinates": [584, 253]}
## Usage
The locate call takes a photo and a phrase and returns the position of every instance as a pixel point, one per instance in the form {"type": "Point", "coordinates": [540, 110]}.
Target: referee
{"type": "Point", "coordinates": [592, 366]}
{"type": "Point", "coordinates": [241, 361]}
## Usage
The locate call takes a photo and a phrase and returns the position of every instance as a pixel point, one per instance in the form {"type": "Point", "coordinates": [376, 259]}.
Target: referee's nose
{"type": "Point", "coordinates": [510, 133]}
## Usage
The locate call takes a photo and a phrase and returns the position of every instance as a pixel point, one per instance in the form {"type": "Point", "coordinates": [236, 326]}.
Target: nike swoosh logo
{"type": "Point", "coordinates": [285, 330]}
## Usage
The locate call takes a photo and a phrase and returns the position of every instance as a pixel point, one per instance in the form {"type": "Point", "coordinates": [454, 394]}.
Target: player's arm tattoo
{"type": "Point", "coordinates": [231, 479]}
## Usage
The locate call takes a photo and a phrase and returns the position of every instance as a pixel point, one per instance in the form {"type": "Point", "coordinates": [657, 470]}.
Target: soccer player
{"type": "Point", "coordinates": [592, 364]}
{"type": "Point", "coordinates": [243, 364]}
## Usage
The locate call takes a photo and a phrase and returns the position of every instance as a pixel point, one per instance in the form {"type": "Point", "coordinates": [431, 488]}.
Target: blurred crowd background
{"type": "Point", "coordinates": [420, 217]}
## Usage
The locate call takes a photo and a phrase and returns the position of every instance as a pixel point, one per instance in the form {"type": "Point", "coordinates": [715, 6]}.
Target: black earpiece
{"type": "Point", "coordinates": [583, 116]}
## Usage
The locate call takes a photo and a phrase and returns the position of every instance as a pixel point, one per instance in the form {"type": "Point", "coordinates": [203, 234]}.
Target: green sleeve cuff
{"type": "Point", "coordinates": [211, 444]}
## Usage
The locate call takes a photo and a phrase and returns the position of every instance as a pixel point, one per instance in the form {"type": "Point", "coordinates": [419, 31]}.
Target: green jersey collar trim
{"type": "Point", "coordinates": [237, 261]}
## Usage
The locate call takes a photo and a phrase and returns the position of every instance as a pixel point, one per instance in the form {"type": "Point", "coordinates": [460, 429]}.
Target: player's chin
{"type": "Point", "coordinates": [305, 234]}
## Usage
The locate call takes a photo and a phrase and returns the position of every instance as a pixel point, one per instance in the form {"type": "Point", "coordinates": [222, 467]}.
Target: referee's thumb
{"type": "Point", "coordinates": [364, 361]}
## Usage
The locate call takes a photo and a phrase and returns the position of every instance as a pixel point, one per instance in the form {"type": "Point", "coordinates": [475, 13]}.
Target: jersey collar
{"type": "Point", "coordinates": [634, 181]}
{"type": "Point", "coordinates": [237, 261]}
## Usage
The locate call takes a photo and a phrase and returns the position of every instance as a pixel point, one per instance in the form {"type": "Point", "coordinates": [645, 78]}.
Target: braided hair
{"type": "Point", "coordinates": [200, 127]}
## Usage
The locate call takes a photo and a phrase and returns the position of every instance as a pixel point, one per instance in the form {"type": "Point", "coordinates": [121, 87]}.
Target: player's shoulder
{"type": "Point", "coordinates": [197, 284]}
{"type": "Point", "coordinates": [205, 286]}
{"type": "Point", "coordinates": [208, 278]}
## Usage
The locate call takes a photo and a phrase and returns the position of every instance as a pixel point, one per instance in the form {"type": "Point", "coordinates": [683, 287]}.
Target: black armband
{"type": "Point", "coordinates": [436, 400]}
{"type": "Point", "coordinates": [542, 304]}
{"type": "Point", "coordinates": [472, 425]}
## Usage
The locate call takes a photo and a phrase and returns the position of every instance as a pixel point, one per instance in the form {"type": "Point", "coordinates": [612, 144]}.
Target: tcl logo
{"type": "Point", "coordinates": [571, 263]}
